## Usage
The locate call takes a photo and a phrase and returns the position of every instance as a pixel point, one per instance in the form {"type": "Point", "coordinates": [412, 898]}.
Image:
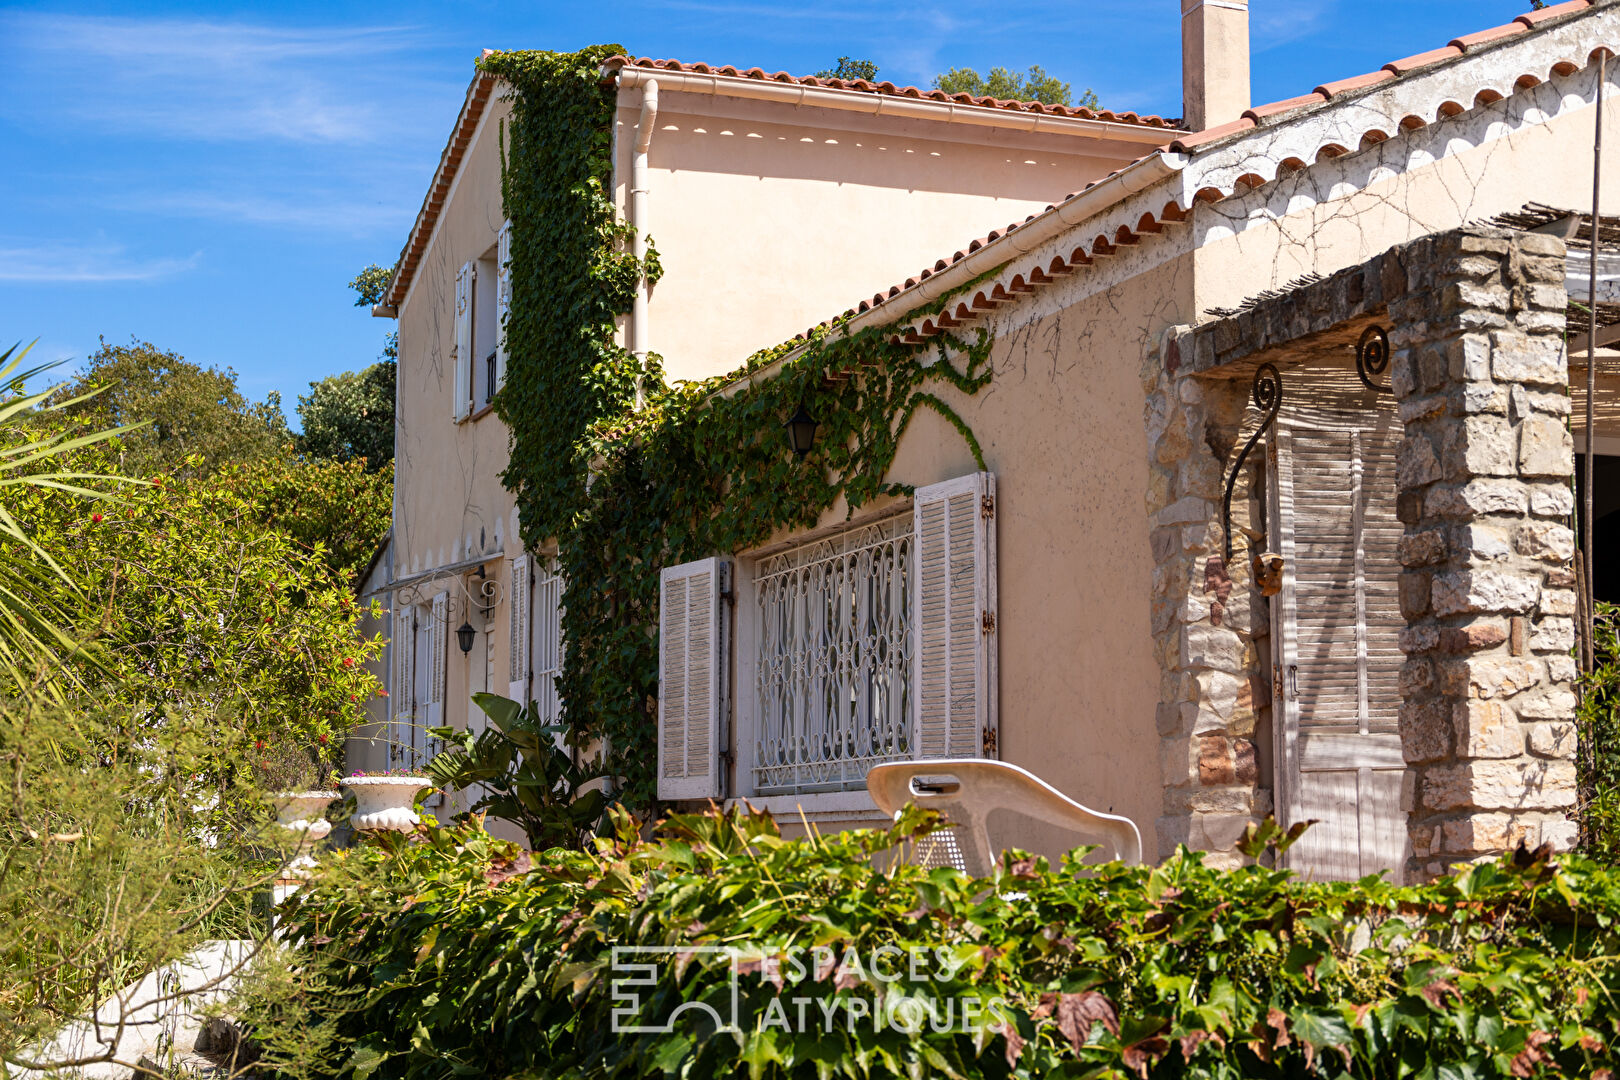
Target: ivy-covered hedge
{"type": "Point", "coordinates": [450, 955]}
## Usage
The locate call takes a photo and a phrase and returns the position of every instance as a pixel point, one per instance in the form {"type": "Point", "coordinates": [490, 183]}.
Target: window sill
{"type": "Point", "coordinates": [827, 806]}
{"type": "Point", "coordinates": [481, 412]}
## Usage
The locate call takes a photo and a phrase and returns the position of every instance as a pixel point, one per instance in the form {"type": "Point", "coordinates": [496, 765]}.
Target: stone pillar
{"type": "Point", "coordinates": [1209, 626]}
{"type": "Point", "coordinates": [1487, 717]}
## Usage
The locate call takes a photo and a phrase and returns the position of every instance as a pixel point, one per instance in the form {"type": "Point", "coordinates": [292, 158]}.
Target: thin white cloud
{"type": "Point", "coordinates": [69, 262]}
{"type": "Point", "coordinates": [317, 210]}
{"type": "Point", "coordinates": [203, 79]}
{"type": "Point", "coordinates": [1271, 28]}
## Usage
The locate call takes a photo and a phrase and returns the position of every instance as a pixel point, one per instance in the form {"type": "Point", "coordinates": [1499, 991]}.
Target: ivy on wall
{"type": "Point", "coordinates": [693, 473]}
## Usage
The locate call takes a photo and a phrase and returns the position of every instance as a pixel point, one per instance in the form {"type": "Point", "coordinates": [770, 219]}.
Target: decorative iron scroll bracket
{"type": "Point", "coordinates": [1267, 395]}
{"type": "Point", "coordinates": [1372, 355]}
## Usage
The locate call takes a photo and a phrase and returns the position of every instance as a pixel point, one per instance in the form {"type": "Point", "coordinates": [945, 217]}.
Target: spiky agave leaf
{"type": "Point", "coordinates": [40, 599]}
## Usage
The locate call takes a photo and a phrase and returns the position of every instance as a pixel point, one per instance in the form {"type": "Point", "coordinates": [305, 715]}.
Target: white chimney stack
{"type": "Point", "coordinates": [1214, 61]}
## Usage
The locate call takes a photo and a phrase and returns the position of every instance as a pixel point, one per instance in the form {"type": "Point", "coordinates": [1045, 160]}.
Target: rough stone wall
{"type": "Point", "coordinates": [1487, 720]}
{"type": "Point", "coordinates": [1487, 713]}
{"type": "Point", "coordinates": [1209, 625]}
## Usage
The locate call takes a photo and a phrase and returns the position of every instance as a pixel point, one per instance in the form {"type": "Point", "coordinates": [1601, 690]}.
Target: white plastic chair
{"type": "Point", "coordinates": [968, 790]}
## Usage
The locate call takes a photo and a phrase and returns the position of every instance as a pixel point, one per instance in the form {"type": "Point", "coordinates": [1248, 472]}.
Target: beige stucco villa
{"type": "Point", "coordinates": [1175, 320]}
{"type": "Point", "coordinates": [770, 163]}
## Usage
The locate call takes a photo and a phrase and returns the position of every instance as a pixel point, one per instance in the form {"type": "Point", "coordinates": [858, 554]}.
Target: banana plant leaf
{"type": "Point", "coordinates": [523, 774]}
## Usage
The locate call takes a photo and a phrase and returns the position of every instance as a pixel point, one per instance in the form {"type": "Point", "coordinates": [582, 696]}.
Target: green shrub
{"type": "Point", "coordinates": [121, 849]}
{"type": "Point", "coordinates": [1599, 723]}
{"type": "Point", "coordinates": [449, 954]}
{"type": "Point", "coordinates": [520, 773]}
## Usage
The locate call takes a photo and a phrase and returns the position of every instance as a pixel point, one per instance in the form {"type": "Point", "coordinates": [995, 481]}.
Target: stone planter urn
{"type": "Point", "coordinates": [384, 802]}
{"type": "Point", "coordinates": [299, 812]}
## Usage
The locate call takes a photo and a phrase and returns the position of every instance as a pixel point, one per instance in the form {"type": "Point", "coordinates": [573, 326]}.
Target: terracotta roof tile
{"type": "Point", "coordinates": [1485, 37]}
{"type": "Point", "coordinates": [1209, 135]}
{"type": "Point", "coordinates": [1260, 112]}
{"type": "Point", "coordinates": [1357, 82]}
{"type": "Point", "coordinates": [1532, 18]}
{"type": "Point", "coordinates": [1078, 112]}
{"type": "Point", "coordinates": [1423, 59]}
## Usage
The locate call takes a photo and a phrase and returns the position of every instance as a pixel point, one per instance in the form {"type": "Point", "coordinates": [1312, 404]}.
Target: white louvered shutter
{"type": "Point", "coordinates": [691, 679]}
{"type": "Point", "coordinates": [1339, 623]}
{"type": "Point", "coordinates": [503, 300]}
{"type": "Point", "coordinates": [518, 639]}
{"type": "Point", "coordinates": [403, 693]}
{"type": "Point", "coordinates": [461, 390]}
{"type": "Point", "coordinates": [954, 609]}
{"type": "Point", "coordinates": [545, 623]}
{"type": "Point", "coordinates": [438, 641]}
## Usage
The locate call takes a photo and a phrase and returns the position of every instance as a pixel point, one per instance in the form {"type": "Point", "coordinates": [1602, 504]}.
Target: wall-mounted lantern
{"type": "Point", "coordinates": [801, 429]}
{"type": "Point", "coordinates": [464, 636]}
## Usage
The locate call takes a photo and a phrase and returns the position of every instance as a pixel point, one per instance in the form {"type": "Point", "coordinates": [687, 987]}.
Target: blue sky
{"type": "Point", "coordinates": [210, 176]}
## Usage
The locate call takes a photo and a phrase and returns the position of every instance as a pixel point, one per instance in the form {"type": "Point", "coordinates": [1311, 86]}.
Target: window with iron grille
{"type": "Point", "coordinates": [834, 683]}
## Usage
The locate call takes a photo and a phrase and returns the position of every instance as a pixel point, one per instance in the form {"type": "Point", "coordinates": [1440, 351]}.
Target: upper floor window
{"type": "Point", "coordinates": [483, 290]}
{"type": "Point", "coordinates": [485, 331]}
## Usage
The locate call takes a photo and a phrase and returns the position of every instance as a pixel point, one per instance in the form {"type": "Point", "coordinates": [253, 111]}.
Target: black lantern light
{"type": "Point", "coordinates": [464, 636]}
{"type": "Point", "coordinates": [801, 429]}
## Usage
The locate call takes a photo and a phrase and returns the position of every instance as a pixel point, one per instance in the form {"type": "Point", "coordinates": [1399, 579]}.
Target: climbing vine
{"type": "Point", "coordinates": [704, 467]}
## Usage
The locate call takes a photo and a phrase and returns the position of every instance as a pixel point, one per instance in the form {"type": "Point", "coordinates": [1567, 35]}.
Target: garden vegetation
{"type": "Point", "coordinates": [451, 953]}
{"type": "Point", "coordinates": [177, 620]}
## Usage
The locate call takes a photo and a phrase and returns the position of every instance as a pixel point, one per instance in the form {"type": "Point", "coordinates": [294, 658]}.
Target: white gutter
{"type": "Point", "coordinates": [638, 220]}
{"type": "Point", "coordinates": [1135, 177]}
{"type": "Point", "coordinates": [878, 104]}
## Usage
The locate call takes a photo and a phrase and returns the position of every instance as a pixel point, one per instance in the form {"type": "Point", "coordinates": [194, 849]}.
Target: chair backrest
{"type": "Point", "coordinates": [968, 790]}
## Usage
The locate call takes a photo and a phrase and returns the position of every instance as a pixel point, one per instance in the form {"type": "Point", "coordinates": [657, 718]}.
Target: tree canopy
{"type": "Point", "coordinates": [369, 284]}
{"type": "Point", "coordinates": [1033, 85]}
{"type": "Point", "coordinates": [350, 416]}
{"type": "Point", "coordinates": [850, 68]}
{"type": "Point", "coordinates": [194, 411]}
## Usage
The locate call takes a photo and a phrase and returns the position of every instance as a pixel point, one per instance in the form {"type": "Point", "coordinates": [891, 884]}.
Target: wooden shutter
{"type": "Point", "coordinates": [503, 301]}
{"type": "Point", "coordinates": [691, 679]}
{"type": "Point", "coordinates": [1339, 622]}
{"type": "Point", "coordinates": [954, 609]}
{"type": "Point", "coordinates": [518, 638]}
{"type": "Point", "coordinates": [545, 622]}
{"type": "Point", "coordinates": [461, 388]}
{"type": "Point", "coordinates": [438, 642]}
{"type": "Point", "coordinates": [403, 693]}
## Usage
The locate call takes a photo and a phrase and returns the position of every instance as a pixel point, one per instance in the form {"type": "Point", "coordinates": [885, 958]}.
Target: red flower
{"type": "Point", "coordinates": [354, 697]}
{"type": "Point", "coordinates": [258, 744]}
{"type": "Point", "coordinates": [323, 739]}
{"type": "Point", "coordinates": [96, 518]}
{"type": "Point", "coordinates": [348, 661]}
{"type": "Point", "coordinates": [381, 692]}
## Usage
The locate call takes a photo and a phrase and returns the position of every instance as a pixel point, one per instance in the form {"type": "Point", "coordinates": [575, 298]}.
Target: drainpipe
{"type": "Point", "coordinates": [638, 219]}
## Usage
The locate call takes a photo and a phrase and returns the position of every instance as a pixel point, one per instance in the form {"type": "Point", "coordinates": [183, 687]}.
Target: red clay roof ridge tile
{"type": "Point", "coordinates": [1535, 18]}
{"type": "Point", "coordinates": [887, 88]}
{"type": "Point", "coordinates": [1355, 82]}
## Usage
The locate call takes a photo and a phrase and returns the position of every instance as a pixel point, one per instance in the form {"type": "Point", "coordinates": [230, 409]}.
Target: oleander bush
{"type": "Point", "coordinates": [451, 953]}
